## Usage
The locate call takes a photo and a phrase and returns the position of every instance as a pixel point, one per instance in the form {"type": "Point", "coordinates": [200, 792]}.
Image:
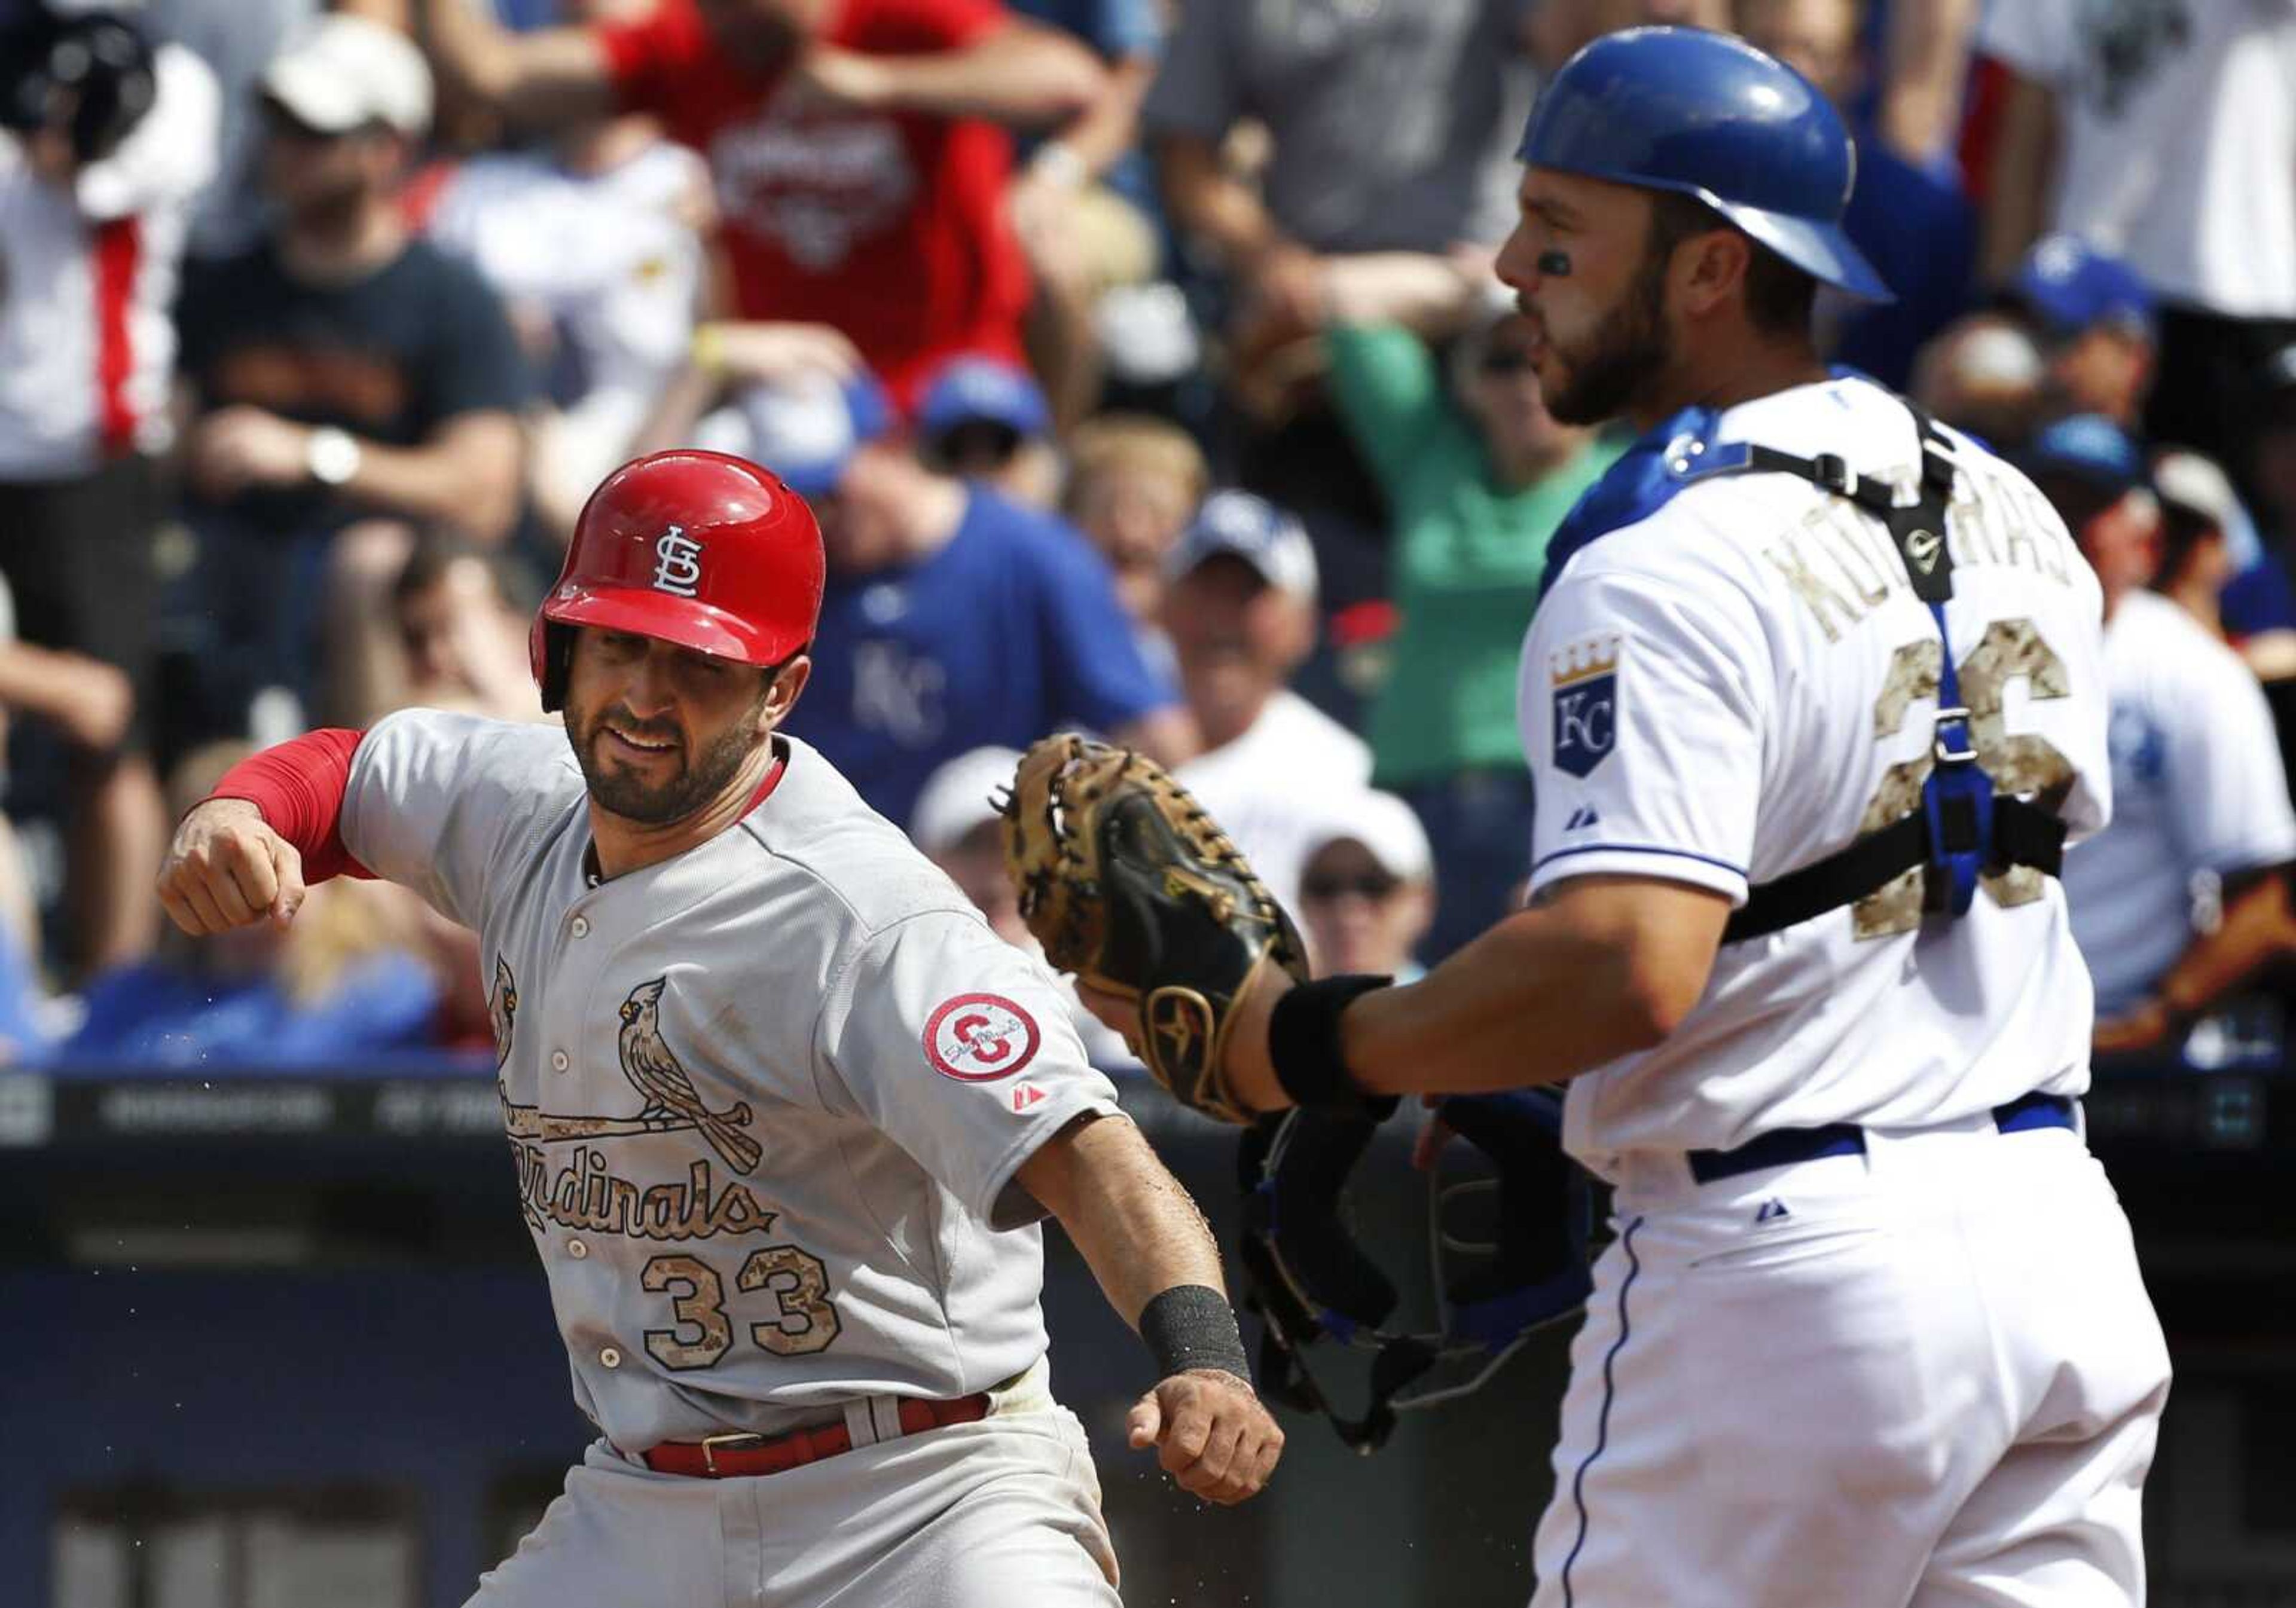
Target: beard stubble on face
{"type": "Point", "coordinates": [696, 783]}
{"type": "Point", "coordinates": [1604, 377]}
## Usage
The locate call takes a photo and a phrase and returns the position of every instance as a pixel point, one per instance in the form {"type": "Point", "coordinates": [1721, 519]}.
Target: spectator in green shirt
{"type": "Point", "coordinates": [1477, 475]}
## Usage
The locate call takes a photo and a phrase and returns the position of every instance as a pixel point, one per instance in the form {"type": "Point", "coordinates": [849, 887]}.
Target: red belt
{"type": "Point", "coordinates": [737, 1455]}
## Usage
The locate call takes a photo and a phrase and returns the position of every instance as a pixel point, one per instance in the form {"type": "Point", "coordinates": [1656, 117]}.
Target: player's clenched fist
{"type": "Point", "coordinates": [228, 869]}
{"type": "Point", "coordinates": [1214, 1437]}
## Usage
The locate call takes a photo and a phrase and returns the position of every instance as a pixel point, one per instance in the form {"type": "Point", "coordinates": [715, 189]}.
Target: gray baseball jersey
{"type": "Point", "coordinates": [766, 1098]}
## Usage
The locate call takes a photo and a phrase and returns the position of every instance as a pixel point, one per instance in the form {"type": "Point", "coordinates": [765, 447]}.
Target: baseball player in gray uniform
{"type": "Point", "coordinates": [785, 1112]}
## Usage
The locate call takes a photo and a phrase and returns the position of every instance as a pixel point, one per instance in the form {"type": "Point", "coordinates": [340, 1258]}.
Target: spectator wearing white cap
{"type": "Point", "coordinates": [1239, 609]}
{"type": "Point", "coordinates": [352, 381]}
{"type": "Point", "coordinates": [1366, 887]}
{"type": "Point", "coordinates": [1983, 375]}
{"type": "Point", "coordinates": [2214, 567]}
{"type": "Point", "coordinates": [106, 141]}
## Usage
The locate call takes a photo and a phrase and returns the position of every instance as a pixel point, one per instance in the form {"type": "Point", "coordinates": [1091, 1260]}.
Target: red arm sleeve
{"type": "Point", "coordinates": [300, 786]}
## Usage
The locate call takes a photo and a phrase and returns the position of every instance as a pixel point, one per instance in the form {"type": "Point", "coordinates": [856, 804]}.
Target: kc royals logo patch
{"type": "Point", "coordinates": [1585, 684]}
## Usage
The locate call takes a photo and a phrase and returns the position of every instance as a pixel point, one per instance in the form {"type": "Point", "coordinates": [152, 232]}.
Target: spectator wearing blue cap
{"type": "Point", "coordinates": [983, 418]}
{"type": "Point", "coordinates": [2164, 132]}
{"type": "Point", "coordinates": [954, 617]}
{"type": "Point", "coordinates": [2200, 798]}
{"type": "Point", "coordinates": [2094, 321]}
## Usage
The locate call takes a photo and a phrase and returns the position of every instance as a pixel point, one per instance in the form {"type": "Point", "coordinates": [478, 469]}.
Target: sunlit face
{"type": "Point", "coordinates": [2101, 370]}
{"type": "Point", "coordinates": [1134, 514]}
{"type": "Point", "coordinates": [1359, 917]}
{"type": "Point", "coordinates": [1598, 329]}
{"type": "Point", "coordinates": [1237, 639]}
{"type": "Point", "coordinates": [661, 731]}
{"type": "Point", "coordinates": [308, 171]}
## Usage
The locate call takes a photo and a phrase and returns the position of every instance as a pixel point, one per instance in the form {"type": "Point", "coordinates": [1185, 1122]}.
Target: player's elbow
{"type": "Point", "coordinates": [1067, 79]}
{"type": "Point", "coordinates": [1656, 992]}
{"type": "Point", "coordinates": [1649, 947]}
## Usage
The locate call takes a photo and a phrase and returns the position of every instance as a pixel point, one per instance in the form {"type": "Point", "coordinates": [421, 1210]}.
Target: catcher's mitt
{"type": "Point", "coordinates": [1128, 883]}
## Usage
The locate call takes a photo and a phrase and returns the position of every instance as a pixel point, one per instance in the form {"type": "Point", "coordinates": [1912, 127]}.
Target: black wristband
{"type": "Point", "coordinates": [1303, 1041]}
{"type": "Point", "coordinates": [1192, 1326]}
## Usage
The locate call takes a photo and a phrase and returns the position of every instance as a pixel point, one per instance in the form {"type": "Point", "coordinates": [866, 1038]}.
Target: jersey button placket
{"type": "Point", "coordinates": [559, 1060]}
{"type": "Point", "coordinates": [578, 1249]}
{"type": "Point", "coordinates": [610, 1358]}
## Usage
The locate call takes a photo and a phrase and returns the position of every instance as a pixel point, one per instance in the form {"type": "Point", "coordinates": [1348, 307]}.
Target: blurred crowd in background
{"type": "Point", "coordinates": [1144, 365]}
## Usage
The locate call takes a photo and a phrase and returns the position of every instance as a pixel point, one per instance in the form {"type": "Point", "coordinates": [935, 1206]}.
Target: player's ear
{"type": "Point", "coordinates": [788, 679]}
{"type": "Point", "coordinates": [1710, 268]}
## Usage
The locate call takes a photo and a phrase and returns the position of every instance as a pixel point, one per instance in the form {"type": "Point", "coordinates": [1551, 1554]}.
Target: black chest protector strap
{"type": "Point", "coordinates": [1961, 829]}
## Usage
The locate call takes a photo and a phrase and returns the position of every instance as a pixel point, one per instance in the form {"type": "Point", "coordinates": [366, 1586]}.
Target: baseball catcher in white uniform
{"type": "Point", "coordinates": [1813, 705]}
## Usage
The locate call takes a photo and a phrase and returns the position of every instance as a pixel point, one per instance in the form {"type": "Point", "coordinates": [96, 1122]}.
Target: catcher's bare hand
{"type": "Point", "coordinates": [227, 868]}
{"type": "Point", "coordinates": [1214, 1437]}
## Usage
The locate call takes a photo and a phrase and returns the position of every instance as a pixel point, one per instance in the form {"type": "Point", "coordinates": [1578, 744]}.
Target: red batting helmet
{"type": "Point", "coordinates": [700, 548]}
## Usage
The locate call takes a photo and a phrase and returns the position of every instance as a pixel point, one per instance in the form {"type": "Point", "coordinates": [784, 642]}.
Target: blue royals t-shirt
{"type": "Point", "coordinates": [1011, 630]}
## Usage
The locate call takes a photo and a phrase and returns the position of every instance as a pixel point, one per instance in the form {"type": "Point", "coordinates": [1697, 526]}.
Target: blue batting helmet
{"type": "Point", "coordinates": [1707, 115]}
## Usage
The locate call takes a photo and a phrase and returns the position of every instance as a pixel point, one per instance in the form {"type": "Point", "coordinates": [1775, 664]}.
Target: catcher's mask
{"type": "Point", "coordinates": [1308, 1278]}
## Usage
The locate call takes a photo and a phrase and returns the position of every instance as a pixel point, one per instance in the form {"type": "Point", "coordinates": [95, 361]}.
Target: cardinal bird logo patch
{"type": "Point", "coordinates": [981, 1037]}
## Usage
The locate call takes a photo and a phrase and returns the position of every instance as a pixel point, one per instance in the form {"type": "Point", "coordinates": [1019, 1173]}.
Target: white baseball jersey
{"type": "Point", "coordinates": [1267, 787]}
{"type": "Point", "coordinates": [1742, 683]}
{"type": "Point", "coordinates": [766, 1098]}
{"type": "Point", "coordinates": [2197, 787]}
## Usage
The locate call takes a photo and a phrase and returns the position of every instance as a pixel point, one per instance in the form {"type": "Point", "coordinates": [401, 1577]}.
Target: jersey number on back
{"type": "Point", "coordinates": [2025, 764]}
{"type": "Point", "coordinates": [803, 1322]}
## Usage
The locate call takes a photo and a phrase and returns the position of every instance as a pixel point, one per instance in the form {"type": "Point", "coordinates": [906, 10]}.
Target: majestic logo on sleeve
{"type": "Point", "coordinates": [1586, 687]}
{"type": "Point", "coordinates": [677, 562]}
{"type": "Point", "coordinates": [981, 1037]}
{"type": "Point", "coordinates": [501, 1010]}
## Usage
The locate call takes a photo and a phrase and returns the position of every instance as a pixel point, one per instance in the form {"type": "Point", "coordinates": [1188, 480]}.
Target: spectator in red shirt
{"type": "Point", "coordinates": [860, 172]}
